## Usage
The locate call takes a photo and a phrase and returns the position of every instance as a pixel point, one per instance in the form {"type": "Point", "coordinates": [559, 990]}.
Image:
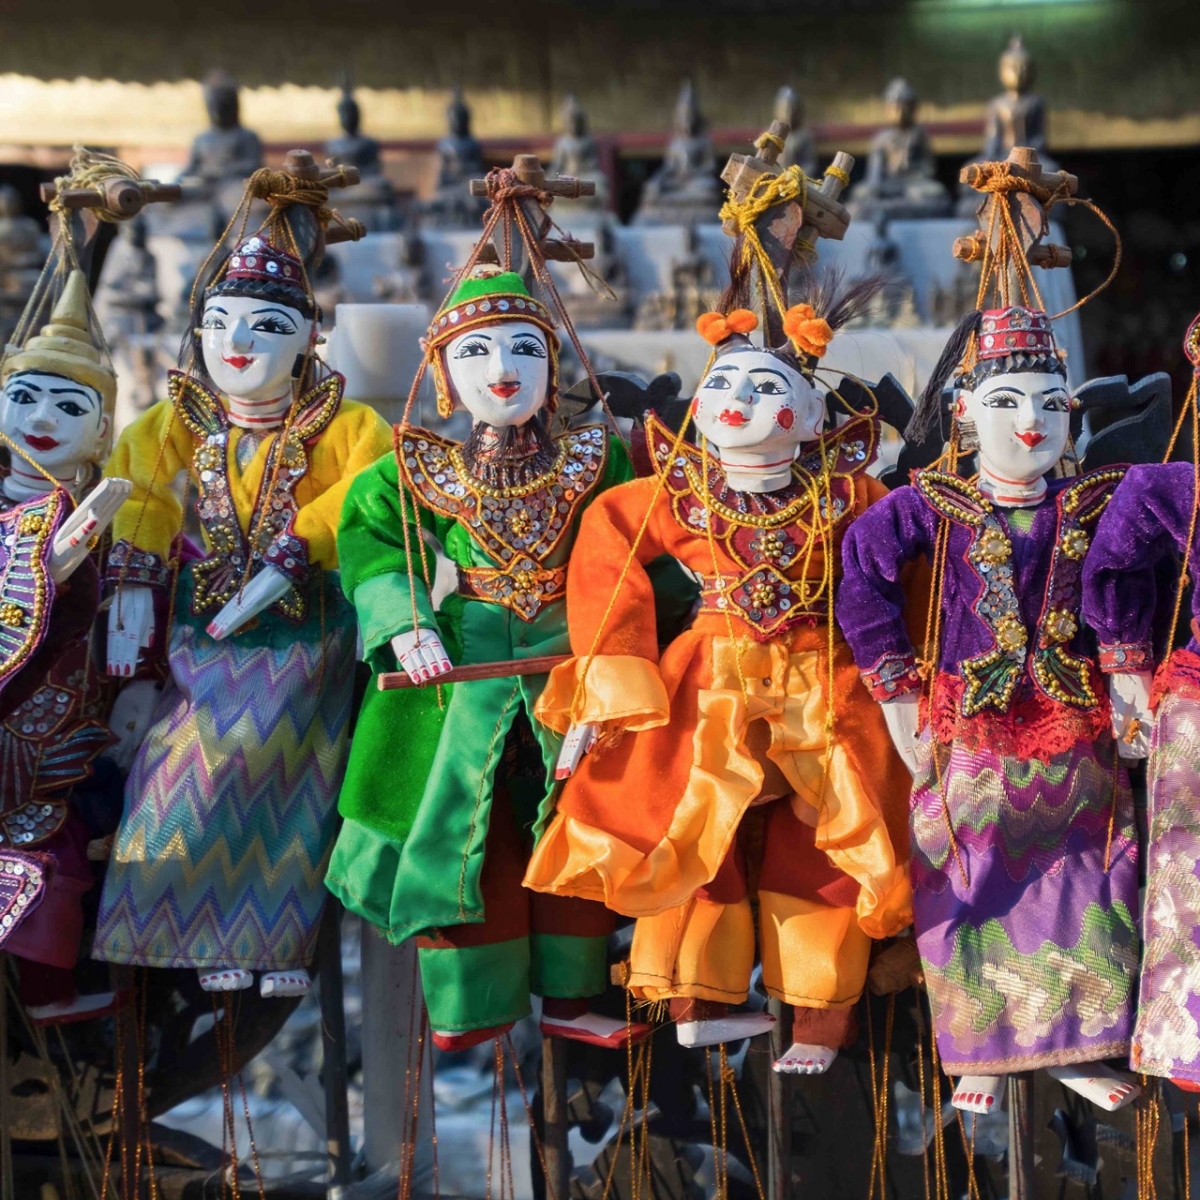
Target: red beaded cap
{"type": "Point", "coordinates": [1015, 330]}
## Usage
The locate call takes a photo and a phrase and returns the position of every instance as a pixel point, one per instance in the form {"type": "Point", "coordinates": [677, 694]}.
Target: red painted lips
{"type": "Point", "coordinates": [40, 443]}
{"type": "Point", "coordinates": [504, 390]}
{"type": "Point", "coordinates": [1031, 439]}
{"type": "Point", "coordinates": [732, 417]}
{"type": "Point", "coordinates": [239, 361]}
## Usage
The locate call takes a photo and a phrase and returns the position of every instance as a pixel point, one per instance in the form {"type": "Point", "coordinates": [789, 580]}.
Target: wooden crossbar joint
{"type": "Point", "coordinates": [127, 197]}
{"type": "Point", "coordinates": [300, 164]}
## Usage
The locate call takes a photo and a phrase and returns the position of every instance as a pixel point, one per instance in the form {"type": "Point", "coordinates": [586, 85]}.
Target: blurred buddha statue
{"type": "Point", "coordinates": [373, 201]}
{"type": "Point", "coordinates": [800, 149]}
{"type": "Point", "coordinates": [353, 148]}
{"type": "Point", "coordinates": [685, 190]}
{"type": "Point", "coordinates": [22, 253]}
{"type": "Point", "coordinates": [900, 181]}
{"type": "Point", "coordinates": [127, 303]}
{"type": "Point", "coordinates": [1017, 117]}
{"type": "Point", "coordinates": [460, 159]}
{"type": "Point", "coordinates": [225, 150]}
{"type": "Point", "coordinates": [577, 155]}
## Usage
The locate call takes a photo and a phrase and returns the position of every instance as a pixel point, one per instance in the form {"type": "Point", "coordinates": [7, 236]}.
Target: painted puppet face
{"type": "Point", "coordinates": [500, 373]}
{"type": "Point", "coordinates": [1023, 421]}
{"type": "Point", "coordinates": [250, 345]}
{"type": "Point", "coordinates": [750, 399]}
{"type": "Point", "coordinates": [59, 423]}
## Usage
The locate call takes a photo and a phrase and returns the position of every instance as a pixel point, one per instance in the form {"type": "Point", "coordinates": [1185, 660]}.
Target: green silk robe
{"type": "Point", "coordinates": [418, 789]}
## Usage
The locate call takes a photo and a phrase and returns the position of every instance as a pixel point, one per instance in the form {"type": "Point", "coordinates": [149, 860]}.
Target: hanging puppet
{"type": "Point", "coordinates": [759, 763]}
{"type": "Point", "coordinates": [1024, 863]}
{"type": "Point", "coordinates": [55, 419]}
{"type": "Point", "coordinates": [230, 806]}
{"type": "Point", "coordinates": [1151, 520]}
{"type": "Point", "coordinates": [447, 786]}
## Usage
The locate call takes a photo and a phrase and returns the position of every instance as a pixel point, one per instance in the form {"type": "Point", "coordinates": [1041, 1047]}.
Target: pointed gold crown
{"type": "Point", "coordinates": [65, 347]}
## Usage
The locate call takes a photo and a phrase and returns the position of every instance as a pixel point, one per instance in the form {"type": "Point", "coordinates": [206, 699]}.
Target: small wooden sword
{"type": "Point", "coordinates": [540, 665]}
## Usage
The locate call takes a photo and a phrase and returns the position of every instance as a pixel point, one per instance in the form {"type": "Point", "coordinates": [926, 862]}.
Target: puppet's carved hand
{"type": "Point", "coordinates": [579, 740]}
{"type": "Point", "coordinates": [903, 717]}
{"type": "Point", "coordinates": [421, 654]}
{"type": "Point", "coordinates": [1131, 719]}
{"type": "Point", "coordinates": [92, 517]}
{"type": "Point", "coordinates": [130, 628]}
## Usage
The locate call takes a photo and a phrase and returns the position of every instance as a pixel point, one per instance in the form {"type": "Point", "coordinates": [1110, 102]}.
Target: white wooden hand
{"type": "Point", "coordinates": [421, 654]}
{"type": "Point", "coordinates": [268, 586]}
{"type": "Point", "coordinates": [579, 740]}
{"type": "Point", "coordinates": [903, 717]}
{"type": "Point", "coordinates": [131, 714]}
{"type": "Point", "coordinates": [89, 519]}
{"type": "Point", "coordinates": [130, 628]}
{"type": "Point", "coordinates": [1129, 692]}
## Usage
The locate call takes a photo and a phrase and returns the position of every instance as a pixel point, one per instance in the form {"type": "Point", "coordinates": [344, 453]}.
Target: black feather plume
{"type": "Point", "coordinates": [929, 407]}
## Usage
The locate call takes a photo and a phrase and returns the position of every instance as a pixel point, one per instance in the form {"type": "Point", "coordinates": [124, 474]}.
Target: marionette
{"type": "Point", "coordinates": [55, 419]}
{"type": "Point", "coordinates": [758, 761]}
{"type": "Point", "coordinates": [446, 786]}
{"type": "Point", "coordinates": [1151, 521]}
{"type": "Point", "coordinates": [1024, 864]}
{"type": "Point", "coordinates": [229, 817]}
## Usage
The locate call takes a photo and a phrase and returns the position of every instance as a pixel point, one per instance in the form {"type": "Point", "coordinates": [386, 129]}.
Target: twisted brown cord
{"type": "Point", "coordinates": [504, 186]}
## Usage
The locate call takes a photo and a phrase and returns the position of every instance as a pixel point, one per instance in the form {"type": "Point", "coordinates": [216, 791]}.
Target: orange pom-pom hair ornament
{"type": "Point", "coordinates": [715, 327]}
{"type": "Point", "coordinates": [806, 331]}
{"type": "Point", "coordinates": [809, 325]}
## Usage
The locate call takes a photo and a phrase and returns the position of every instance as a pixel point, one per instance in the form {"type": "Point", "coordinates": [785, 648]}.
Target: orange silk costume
{"type": "Point", "coordinates": [677, 822]}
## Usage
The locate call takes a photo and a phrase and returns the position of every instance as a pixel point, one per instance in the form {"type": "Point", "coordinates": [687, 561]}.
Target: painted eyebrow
{"type": "Point", "coordinates": [216, 308]}
{"type": "Point", "coordinates": [768, 371]}
{"type": "Point", "coordinates": [22, 375]}
{"type": "Point", "coordinates": [533, 336]}
{"type": "Point", "coordinates": [719, 370]}
{"type": "Point", "coordinates": [70, 391]}
{"type": "Point", "coordinates": [254, 312]}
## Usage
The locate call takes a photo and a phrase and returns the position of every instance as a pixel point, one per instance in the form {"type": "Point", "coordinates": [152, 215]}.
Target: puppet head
{"type": "Point", "coordinates": [494, 351]}
{"type": "Point", "coordinates": [256, 320]}
{"type": "Point", "coordinates": [59, 390]}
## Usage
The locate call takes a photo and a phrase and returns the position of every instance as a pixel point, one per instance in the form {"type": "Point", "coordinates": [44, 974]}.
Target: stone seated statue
{"type": "Point", "coordinates": [576, 155]}
{"type": "Point", "coordinates": [1016, 117]}
{"type": "Point", "coordinates": [460, 159]}
{"type": "Point", "coordinates": [685, 190]}
{"type": "Point", "coordinates": [373, 201]}
{"type": "Point", "coordinates": [900, 181]}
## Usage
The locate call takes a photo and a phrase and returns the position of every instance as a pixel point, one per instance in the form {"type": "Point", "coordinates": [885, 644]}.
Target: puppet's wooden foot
{"type": "Point", "coordinates": [225, 979]}
{"type": "Point", "coordinates": [465, 1039]}
{"type": "Point", "coordinates": [978, 1093]}
{"type": "Point", "coordinates": [285, 983]}
{"type": "Point", "coordinates": [81, 1008]}
{"type": "Point", "coordinates": [595, 1030]}
{"type": "Point", "coordinates": [802, 1059]}
{"type": "Point", "coordinates": [1095, 1082]}
{"type": "Point", "coordinates": [731, 1028]}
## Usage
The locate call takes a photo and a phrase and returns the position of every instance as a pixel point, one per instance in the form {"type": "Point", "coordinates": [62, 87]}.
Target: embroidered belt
{"type": "Point", "coordinates": [522, 586]}
{"type": "Point", "coordinates": [764, 598]}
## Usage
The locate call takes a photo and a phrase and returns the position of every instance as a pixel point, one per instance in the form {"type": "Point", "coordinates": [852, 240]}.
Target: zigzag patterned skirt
{"type": "Point", "coordinates": [1031, 959]}
{"type": "Point", "coordinates": [230, 808]}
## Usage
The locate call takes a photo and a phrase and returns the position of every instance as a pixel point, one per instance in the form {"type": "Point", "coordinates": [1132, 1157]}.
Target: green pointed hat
{"type": "Point", "coordinates": [487, 297]}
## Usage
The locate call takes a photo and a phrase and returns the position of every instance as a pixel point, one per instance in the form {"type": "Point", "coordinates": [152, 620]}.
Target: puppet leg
{"type": "Point", "coordinates": [699, 956]}
{"type": "Point", "coordinates": [476, 976]}
{"type": "Point", "coordinates": [569, 967]}
{"type": "Point", "coordinates": [814, 953]}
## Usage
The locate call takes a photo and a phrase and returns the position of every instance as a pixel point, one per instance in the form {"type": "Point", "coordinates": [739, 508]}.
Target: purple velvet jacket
{"type": "Point", "coordinates": [1147, 521]}
{"type": "Point", "coordinates": [1013, 667]}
